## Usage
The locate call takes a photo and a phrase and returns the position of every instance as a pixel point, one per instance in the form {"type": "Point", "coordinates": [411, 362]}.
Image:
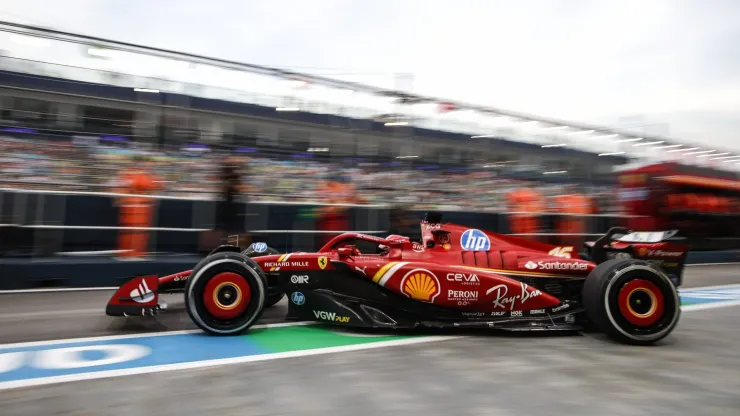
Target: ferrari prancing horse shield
{"type": "Point", "coordinates": [322, 262]}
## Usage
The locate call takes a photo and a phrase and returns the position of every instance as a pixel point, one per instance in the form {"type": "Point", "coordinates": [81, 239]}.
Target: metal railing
{"type": "Point", "coordinates": [42, 223]}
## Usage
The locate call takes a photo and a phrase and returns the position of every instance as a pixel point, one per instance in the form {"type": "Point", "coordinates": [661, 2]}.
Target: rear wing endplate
{"type": "Point", "coordinates": [645, 236]}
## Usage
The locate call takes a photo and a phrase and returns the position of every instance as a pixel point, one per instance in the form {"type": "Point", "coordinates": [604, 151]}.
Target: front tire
{"type": "Point", "coordinates": [226, 293]}
{"type": "Point", "coordinates": [631, 301]}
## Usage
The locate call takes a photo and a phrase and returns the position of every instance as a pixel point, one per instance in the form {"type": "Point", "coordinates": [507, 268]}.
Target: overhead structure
{"type": "Point", "coordinates": [150, 70]}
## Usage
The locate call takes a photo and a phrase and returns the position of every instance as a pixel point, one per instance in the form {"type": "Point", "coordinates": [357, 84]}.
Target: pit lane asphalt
{"type": "Point", "coordinates": [695, 372]}
{"type": "Point", "coordinates": [42, 316]}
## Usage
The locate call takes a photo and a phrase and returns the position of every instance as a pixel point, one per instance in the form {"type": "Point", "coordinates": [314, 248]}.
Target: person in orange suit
{"type": "Point", "coordinates": [135, 209]}
{"type": "Point", "coordinates": [334, 217]}
{"type": "Point", "coordinates": [526, 204]}
{"type": "Point", "coordinates": [576, 205]}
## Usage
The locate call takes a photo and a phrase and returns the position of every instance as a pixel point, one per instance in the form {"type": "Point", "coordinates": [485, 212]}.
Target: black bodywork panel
{"type": "Point", "coordinates": [344, 298]}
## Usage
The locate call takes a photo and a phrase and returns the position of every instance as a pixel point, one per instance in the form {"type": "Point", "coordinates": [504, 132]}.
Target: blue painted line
{"type": "Point", "coordinates": [45, 361]}
{"type": "Point", "coordinates": [710, 295]}
{"type": "Point", "coordinates": [72, 360]}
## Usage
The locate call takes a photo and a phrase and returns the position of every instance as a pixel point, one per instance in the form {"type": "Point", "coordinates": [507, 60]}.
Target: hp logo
{"type": "Point", "coordinates": [475, 240]}
{"type": "Point", "coordinates": [298, 298]}
{"type": "Point", "coordinates": [259, 247]}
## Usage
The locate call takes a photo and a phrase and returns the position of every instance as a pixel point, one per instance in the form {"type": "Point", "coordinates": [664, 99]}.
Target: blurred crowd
{"type": "Point", "coordinates": [42, 164]}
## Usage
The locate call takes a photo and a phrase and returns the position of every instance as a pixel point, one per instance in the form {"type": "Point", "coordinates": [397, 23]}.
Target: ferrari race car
{"type": "Point", "coordinates": [624, 284]}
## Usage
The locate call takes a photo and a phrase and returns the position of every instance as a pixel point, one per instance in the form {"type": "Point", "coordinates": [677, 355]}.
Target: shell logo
{"type": "Point", "coordinates": [421, 285]}
{"type": "Point", "coordinates": [643, 251]}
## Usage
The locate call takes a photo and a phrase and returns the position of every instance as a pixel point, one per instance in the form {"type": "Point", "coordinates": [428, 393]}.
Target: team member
{"type": "Point", "coordinates": [135, 208]}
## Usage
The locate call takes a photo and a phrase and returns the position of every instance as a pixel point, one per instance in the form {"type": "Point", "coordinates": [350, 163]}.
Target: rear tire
{"type": "Point", "coordinates": [226, 293]}
{"type": "Point", "coordinates": [631, 301]}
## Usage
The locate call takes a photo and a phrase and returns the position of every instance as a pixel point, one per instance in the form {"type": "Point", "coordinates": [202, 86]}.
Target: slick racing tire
{"type": "Point", "coordinates": [226, 293]}
{"type": "Point", "coordinates": [631, 301]}
{"type": "Point", "coordinates": [274, 294]}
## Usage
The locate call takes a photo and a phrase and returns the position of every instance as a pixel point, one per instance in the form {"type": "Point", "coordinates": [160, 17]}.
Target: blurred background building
{"type": "Point", "coordinates": [80, 113]}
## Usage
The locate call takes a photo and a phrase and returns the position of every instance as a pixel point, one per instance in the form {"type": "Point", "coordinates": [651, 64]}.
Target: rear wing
{"type": "Point", "coordinates": [645, 236]}
{"type": "Point", "coordinates": [597, 249]}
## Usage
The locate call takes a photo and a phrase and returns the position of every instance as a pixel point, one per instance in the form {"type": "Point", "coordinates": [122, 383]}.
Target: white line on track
{"type": "Point", "coordinates": [56, 289]}
{"type": "Point", "coordinates": [46, 314]}
{"type": "Point", "coordinates": [687, 308]}
{"type": "Point", "coordinates": [710, 305]}
{"type": "Point", "coordinates": [216, 362]}
{"type": "Point", "coordinates": [234, 360]}
{"type": "Point", "coordinates": [712, 264]}
{"type": "Point", "coordinates": [701, 288]}
{"type": "Point", "coordinates": [137, 335]}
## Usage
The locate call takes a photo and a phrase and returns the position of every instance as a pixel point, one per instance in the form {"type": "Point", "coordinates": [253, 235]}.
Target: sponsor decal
{"type": "Point", "coordinates": [417, 247]}
{"type": "Point", "coordinates": [181, 277]}
{"type": "Point", "coordinates": [475, 240]}
{"type": "Point", "coordinates": [421, 285]}
{"type": "Point", "coordinates": [259, 247]}
{"type": "Point", "coordinates": [142, 294]}
{"type": "Point", "coordinates": [446, 246]}
{"type": "Point", "coordinates": [561, 307]}
{"type": "Point", "coordinates": [556, 265]}
{"type": "Point", "coordinates": [432, 226]}
{"type": "Point", "coordinates": [517, 314]}
{"type": "Point", "coordinates": [570, 319]}
{"type": "Point", "coordinates": [474, 314]}
{"type": "Point", "coordinates": [298, 279]}
{"type": "Point", "coordinates": [498, 313]}
{"type": "Point", "coordinates": [643, 251]}
{"type": "Point", "coordinates": [537, 312]}
{"type": "Point", "coordinates": [501, 299]}
{"type": "Point", "coordinates": [661, 253]}
{"type": "Point", "coordinates": [361, 270]}
{"type": "Point", "coordinates": [323, 262]}
{"type": "Point", "coordinates": [287, 264]}
{"type": "Point", "coordinates": [466, 279]}
{"type": "Point", "coordinates": [564, 252]}
{"type": "Point", "coordinates": [297, 298]}
{"type": "Point", "coordinates": [463, 297]}
{"type": "Point", "coordinates": [331, 316]}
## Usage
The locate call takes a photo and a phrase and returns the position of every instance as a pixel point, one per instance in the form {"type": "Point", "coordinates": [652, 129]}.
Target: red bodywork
{"type": "Point", "coordinates": [490, 277]}
{"type": "Point", "coordinates": [446, 274]}
{"type": "Point", "coordinates": [438, 270]}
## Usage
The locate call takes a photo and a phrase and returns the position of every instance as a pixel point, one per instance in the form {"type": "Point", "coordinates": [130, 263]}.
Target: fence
{"type": "Point", "coordinates": [41, 223]}
{"type": "Point", "coordinates": [50, 238]}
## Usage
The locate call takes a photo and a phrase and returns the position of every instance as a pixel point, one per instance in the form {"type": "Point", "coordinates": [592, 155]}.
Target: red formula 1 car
{"type": "Point", "coordinates": [455, 277]}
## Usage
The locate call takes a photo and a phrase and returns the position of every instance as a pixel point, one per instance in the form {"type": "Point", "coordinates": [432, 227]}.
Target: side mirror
{"type": "Point", "coordinates": [348, 251]}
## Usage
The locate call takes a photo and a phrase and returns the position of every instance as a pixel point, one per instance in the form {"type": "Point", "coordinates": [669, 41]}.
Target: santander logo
{"type": "Point", "coordinates": [556, 265]}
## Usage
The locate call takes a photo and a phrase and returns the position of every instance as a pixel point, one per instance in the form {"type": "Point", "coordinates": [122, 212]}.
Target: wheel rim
{"type": "Point", "coordinates": [227, 295]}
{"type": "Point", "coordinates": [641, 302]}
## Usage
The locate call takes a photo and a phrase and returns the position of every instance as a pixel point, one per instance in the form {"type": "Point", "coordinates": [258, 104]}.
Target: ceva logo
{"type": "Point", "coordinates": [531, 265]}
